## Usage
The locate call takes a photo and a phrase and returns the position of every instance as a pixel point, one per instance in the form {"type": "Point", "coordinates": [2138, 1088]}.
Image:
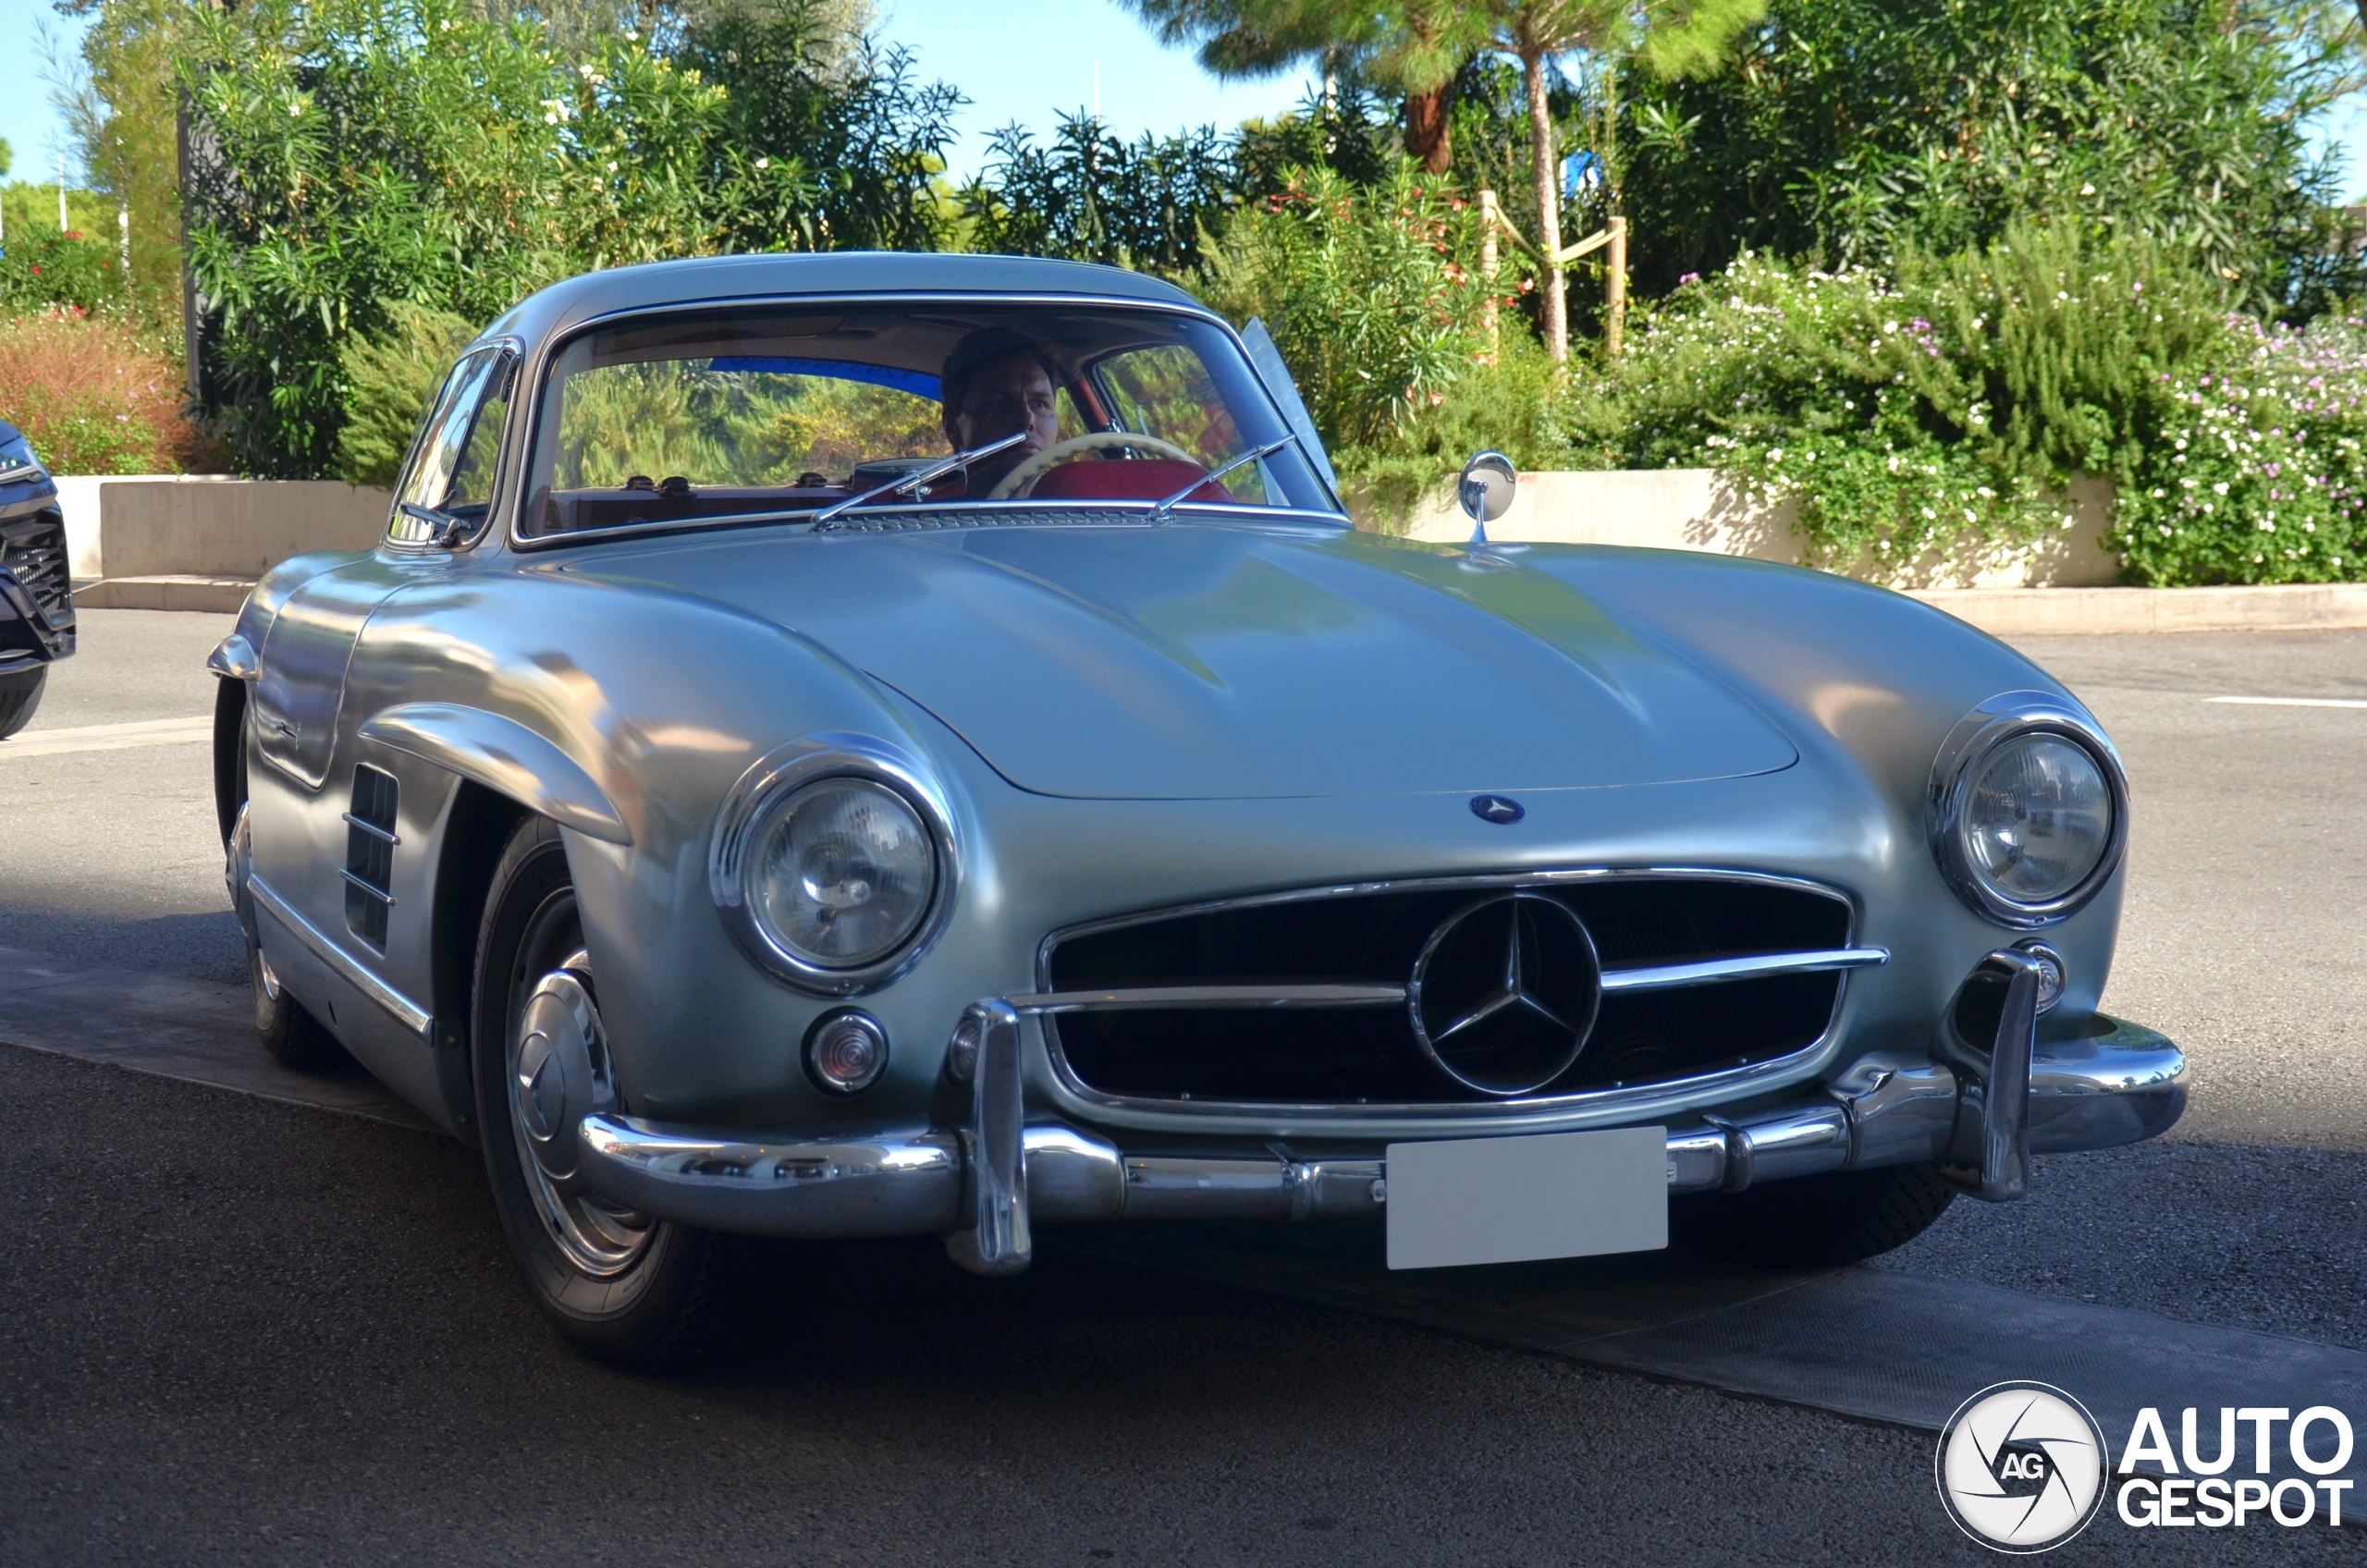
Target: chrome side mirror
{"type": "Point", "coordinates": [1486, 490]}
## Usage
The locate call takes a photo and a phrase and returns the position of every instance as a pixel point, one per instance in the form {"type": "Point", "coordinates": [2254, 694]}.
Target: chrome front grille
{"type": "Point", "coordinates": [1309, 998]}
{"type": "Point", "coordinates": [32, 550]}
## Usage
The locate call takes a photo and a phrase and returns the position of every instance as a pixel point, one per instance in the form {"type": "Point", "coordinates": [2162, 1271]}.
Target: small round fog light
{"type": "Point", "coordinates": [961, 1051]}
{"type": "Point", "coordinates": [845, 1052]}
{"type": "Point", "coordinates": [2051, 972]}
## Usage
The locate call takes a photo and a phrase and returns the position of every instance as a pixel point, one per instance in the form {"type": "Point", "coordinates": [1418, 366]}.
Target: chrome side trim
{"type": "Point", "coordinates": [234, 657]}
{"type": "Point", "coordinates": [897, 1183]}
{"type": "Point", "coordinates": [506, 757]}
{"type": "Point", "coordinates": [1750, 966]}
{"type": "Point", "coordinates": [409, 1013]}
{"type": "Point", "coordinates": [1126, 999]}
{"type": "Point", "coordinates": [370, 888]}
{"type": "Point", "coordinates": [387, 834]}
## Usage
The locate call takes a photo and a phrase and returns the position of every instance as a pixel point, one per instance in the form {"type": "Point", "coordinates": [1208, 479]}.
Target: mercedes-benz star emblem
{"type": "Point", "coordinates": [1502, 810]}
{"type": "Point", "coordinates": [1505, 992]}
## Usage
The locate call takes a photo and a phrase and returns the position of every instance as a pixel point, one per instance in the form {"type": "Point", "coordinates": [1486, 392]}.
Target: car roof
{"type": "Point", "coordinates": [563, 305]}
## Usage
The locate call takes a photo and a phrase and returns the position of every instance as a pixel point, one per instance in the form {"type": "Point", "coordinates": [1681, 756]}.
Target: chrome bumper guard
{"type": "Point", "coordinates": [984, 1184]}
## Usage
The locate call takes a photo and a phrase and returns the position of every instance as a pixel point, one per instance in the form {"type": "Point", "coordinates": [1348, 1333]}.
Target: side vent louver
{"type": "Point", "coordinates": [369, 855]}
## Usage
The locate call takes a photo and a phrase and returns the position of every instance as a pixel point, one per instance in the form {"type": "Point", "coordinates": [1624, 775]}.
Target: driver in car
{"type": "Point", "coordinates": [996, 382]}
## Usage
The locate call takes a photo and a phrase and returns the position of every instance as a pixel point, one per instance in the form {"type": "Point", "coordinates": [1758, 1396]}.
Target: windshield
{"type": "Point", "coordinates": [762, 411]}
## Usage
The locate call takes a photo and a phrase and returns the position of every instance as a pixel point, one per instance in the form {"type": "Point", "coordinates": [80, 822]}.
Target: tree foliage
{"type": "Point", "coordinates": [355, 156]}
{"type": "Point", "coordinates": [1849, 129]}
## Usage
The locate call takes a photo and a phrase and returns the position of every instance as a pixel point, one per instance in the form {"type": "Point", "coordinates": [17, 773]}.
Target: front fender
{"type": "Point", "coordinates": [506, 757]}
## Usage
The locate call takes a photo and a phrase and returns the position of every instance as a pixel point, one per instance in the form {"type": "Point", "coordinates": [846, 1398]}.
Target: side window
{"type": "Point", "coordinates": [452, 463]}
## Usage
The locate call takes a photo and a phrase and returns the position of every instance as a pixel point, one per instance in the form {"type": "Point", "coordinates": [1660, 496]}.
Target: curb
{"type": "Point", "coordinates": [2030, 612]}
{"type": "Point", "coordinates": [222, 596]}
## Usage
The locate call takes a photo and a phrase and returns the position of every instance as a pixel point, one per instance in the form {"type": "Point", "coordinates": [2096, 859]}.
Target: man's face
{"type": "Point", "coordinates": [1006, 395]}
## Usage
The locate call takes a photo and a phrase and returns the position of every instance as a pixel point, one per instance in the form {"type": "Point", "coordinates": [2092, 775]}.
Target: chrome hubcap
{"type": "Point", "coordinates": [558, 1073]}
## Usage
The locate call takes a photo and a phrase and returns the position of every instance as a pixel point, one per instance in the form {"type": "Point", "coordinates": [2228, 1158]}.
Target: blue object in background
{"type": "Point", "coordinates": [1580, 171]}
{"type": "Point", "coordinates": [920, 384]}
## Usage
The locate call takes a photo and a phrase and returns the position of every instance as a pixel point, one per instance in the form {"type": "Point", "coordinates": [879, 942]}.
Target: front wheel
{"type": "Point", "coordinates": [616, 1284]}
{"type": "Point", "coordinates": [20, 698]}
{"type": "Point", "coordinates": [1813, 1221]}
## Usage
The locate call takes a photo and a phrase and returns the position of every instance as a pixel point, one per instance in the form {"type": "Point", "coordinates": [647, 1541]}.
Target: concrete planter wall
{"type": "Point", "coordinates": [1695, 509]}
{"type": "Point", "coordinates": [200, 540]}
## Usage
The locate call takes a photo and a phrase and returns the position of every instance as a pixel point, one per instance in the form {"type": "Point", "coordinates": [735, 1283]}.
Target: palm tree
{"type": "Point", "coordinates": [1413, 47]}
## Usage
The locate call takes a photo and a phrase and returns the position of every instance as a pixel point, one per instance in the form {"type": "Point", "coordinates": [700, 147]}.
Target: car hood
{"type": "Point", "coordinates": [1209, 661]}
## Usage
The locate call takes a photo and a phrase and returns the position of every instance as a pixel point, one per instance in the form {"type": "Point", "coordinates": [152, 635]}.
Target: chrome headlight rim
{"type": "Point", "coordinates": [756, 801]}
{"type": "Point", "coordinates": [2011, 717]}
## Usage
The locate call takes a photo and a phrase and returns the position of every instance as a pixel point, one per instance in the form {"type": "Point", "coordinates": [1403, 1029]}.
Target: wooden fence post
{"type": "Point", "coordinates": [1489, 220]}
{"type": "Point", "coordinates": [1614, 291]}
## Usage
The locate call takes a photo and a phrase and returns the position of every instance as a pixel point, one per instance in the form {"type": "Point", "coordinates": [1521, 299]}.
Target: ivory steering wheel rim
{"type": "Point", "coordinates": [1022, 480]}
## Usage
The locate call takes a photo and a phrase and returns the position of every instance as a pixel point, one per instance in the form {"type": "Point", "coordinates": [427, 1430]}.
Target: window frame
{"type": "Point", "coordinates": [405, 532]}
{"type": "Point", "coordinates": [527, 413]}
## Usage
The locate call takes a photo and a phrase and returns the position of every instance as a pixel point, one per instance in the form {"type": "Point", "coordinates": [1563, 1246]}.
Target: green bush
{"type": "Point", "coordinates": [43, 266]}
{"type": "Point", "coordinates": [361, 156]}
{"type": "Point", "coordinates": [1946, 407]}
{"type": "Point", "coordinates": [1848, 131]}
{"type": "Point", "coordinates": [388, 380]}
{"type": "Point", "coordinates": [1371, 293]}
{"type": "Point", "coordinates": [2254, 466]}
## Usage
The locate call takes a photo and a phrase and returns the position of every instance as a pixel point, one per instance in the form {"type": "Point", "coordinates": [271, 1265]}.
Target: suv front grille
{"type": "Point", "coordinates": [1356, 1045]}
{"type": "Point", "coordinates": [32, 550]}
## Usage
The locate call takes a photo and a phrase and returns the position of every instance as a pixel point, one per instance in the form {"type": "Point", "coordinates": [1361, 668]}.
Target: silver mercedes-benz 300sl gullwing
{"type": "Point", "coordinates": [865, 745]}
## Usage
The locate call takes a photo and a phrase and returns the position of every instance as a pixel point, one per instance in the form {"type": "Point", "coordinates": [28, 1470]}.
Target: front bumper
{"type": "Point", "coordinates": [984, 1180]}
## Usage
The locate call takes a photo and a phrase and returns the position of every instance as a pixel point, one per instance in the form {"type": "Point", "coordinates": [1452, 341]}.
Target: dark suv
{"type": "Point", "coordinates": [36, 594]}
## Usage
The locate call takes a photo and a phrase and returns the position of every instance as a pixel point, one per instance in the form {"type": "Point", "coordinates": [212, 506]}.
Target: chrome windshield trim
{"type": "Point", "coordinates": [512, 483]}
{"type": "Point", "coordinates": [410, 1014]}
{"type": "Point", "coordinates": [1747, 966]}
{"type": "Point", "coordinates": [1210, 996]}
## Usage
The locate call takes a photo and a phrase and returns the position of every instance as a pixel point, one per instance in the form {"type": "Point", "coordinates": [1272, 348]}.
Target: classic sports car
{"type": "Point", "coordinates": [865, 745]}
{"type": "Point", "coordinates": [36, 595]}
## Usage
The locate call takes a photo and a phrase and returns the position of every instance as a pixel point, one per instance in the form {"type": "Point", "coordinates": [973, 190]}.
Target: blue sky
{"type": "Point", "coordinates": [1026, 62]}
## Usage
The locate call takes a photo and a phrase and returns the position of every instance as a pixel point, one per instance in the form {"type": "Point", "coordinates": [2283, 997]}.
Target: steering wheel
{"type": "Point", "coordinates": [1022, 480]}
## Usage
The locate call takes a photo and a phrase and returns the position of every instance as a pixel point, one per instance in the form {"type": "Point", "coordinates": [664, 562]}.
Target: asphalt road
{"type": "Point", "coordinates": [237, 1332]}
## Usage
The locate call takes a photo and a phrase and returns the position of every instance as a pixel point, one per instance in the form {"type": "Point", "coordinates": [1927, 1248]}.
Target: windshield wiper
{"type": "Point", "coordinates": [1160, 511]}
{"type": "Point", "coordinates": [919, 477]}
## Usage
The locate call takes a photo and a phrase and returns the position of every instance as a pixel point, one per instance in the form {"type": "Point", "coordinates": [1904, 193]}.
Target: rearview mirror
{"type": "Point", "coordinates": [1486, 488]}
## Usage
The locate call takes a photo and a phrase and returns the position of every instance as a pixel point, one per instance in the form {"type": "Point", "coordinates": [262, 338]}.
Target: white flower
{"type": "Point", "coordinates": [2220, 488]}
{"type": "Point", "coordinates": [764, 163]}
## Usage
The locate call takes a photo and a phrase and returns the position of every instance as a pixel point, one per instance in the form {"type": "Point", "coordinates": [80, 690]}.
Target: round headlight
{"type": "Point", "coordinates": [842, 872]}
{"type": "Point", "coordinates": [2037, 818]}
{"type": "Point", "coordinates": [2028, 809]}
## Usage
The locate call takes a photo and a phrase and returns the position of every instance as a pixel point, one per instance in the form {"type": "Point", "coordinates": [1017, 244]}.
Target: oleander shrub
{"type": "Point", "coordinates": [94, 395]}
{"type": "Point", "coordinates": [1943, 406]}
{"type": "Point", "coordinates": [2254, 466]}
{"type": "Point", "coordinates": [46, 267]}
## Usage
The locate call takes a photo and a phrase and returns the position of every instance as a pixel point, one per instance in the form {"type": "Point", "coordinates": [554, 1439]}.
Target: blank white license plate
{"type": "Point", "coordinates": [1508, 1200]}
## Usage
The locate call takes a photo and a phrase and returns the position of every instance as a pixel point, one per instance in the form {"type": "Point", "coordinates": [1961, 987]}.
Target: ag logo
{"type": "Point", "coordinates": [2021, 1467]}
